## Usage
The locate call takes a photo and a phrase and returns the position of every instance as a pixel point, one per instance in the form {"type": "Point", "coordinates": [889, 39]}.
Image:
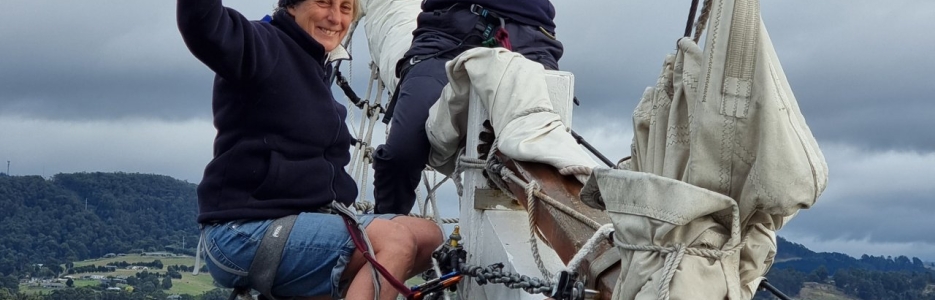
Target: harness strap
{"type": "Point", "coordinates": [262, 272]}
{"type": "Point", "coordinates": [198, 249]}
{"type": "Point", "coordinates": [356, 236]}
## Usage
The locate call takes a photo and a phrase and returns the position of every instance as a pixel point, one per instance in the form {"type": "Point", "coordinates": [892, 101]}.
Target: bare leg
{"type": "Point", "coordinates": [405, 243]}
{"type": "Point", "coordinates": [395, 249]}
{"type": "Point", "coordinates": [427, 238]}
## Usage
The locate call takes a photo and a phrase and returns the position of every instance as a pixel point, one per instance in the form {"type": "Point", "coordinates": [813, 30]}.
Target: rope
{"type": "Point", "coordinates": [702, 20]}
{"type": "Point", "coordinates": [554, 203]}
{"type": "Point", "coordinates": [533, 195]}
{"type": "Point", "coordinates": [604, 232]}
{"type": "Point", "coordinates": [534, 229]}
{"type": "Point", "coordinates": [674, 257]}
{"type": "Point", "coordinates": [675, 253]}
{"type": "Point", "coordinates": [367, 207]}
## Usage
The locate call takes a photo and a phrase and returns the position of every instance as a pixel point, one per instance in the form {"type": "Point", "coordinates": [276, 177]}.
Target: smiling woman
{"type": "Point", "coordinates": [327, 21]}
{"type": "Point", "coordinates": [280, 153]}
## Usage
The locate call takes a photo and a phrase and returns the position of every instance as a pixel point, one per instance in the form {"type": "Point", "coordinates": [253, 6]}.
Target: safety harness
{"type": "Point", "coordinates": [262, 272]}
{"type": "Point", "coordinates": [489, 31]}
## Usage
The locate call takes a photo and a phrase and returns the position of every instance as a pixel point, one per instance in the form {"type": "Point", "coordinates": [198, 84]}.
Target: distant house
{"type": "Point", "coordinates": [161, 254]}
{"type": "Point", "coordinates": [174, 297]}
{"type": "Point", "coordinates": [113, 288]}
{"type": "Point", "coordinates": [53, 285]}
{"type": "Point", "coordinates": [110, 255]}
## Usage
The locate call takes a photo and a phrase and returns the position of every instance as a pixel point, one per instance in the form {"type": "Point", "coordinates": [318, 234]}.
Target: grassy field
{"type": "Point", "coordinates": [815, 291]}
{"type": "Point", "coordinates": [188, 284]}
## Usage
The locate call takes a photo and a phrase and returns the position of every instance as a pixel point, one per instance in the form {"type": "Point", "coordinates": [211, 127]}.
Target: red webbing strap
{"type": "Point", "coordinates": [359, 243]}
{"type": "Point", "coordinates": [503, 37]}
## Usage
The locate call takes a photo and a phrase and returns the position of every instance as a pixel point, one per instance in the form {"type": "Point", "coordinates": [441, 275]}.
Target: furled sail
{"type": "Point", "coordinates": [722, 158]}
{"type": "Point", "coordinates": [513, 91]}
{"type": "Point", "coordinates": [389, 25]}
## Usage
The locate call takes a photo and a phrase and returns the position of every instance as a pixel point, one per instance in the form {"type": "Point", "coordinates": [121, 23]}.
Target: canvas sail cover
{"type": "Point", "coordinates": [513, 90]}
{"type": "Point", "coordinates": [721, 159]}
{"type": "Point", "coordinates": [389, 25]}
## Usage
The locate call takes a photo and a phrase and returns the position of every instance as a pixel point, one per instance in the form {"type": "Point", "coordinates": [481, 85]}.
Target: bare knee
{"type": "Point", "coordinates": [392, 239]}
{"type": "Point", "coordinates": [426, 234]}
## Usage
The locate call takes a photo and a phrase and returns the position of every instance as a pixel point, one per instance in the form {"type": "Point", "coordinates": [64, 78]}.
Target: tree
{"type": "Point", "coordinates": [147, 287]}
{"type": "Point", "coordinates": [10, 283]}
{"type": "Point", "coordinates": [70, 283]}
{"type": "Point", "coordinates": [819, 275]}
{"type": "Point", "coordinates": [216, 294]}
{"type": "Point", "coordinates": [166, 283]}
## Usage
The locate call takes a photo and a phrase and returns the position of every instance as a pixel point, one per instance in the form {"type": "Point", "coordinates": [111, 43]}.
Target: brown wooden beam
{"type": "Point", "coordinates": [564, 233]}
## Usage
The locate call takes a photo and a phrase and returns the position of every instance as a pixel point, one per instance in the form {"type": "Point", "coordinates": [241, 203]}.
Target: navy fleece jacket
{"type": "Point", "coordinates": [281, 144]}
{"type": "Point", "coordinates": [530, 12]}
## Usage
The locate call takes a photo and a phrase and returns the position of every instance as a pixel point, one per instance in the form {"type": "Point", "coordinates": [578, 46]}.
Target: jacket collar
{"type": "Point", "coordinates": [286, 23]}
{"type": "Point", "coordinates": [339, 53]}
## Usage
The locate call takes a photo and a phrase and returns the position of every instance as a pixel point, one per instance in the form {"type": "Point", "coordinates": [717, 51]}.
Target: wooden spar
{"type": "Point", "coordinates": [565, 234]}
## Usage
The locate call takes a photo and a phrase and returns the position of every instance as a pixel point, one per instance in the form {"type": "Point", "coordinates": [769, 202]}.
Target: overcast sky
{"type": "Point", "coordinates": [105, 85]}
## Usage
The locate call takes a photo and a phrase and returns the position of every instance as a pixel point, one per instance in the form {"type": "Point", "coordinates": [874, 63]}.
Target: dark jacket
{"type": "Point", "coordinates": [446, 28]}
{"type": "Point", "coordinates": [539, 13]}
{"type": "Point", "coordinates": [281, 144]}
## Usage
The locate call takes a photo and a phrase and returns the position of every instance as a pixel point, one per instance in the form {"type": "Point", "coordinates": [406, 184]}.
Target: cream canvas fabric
{"type": "Point", "coordinates": [389, 25]}
{"type": "Point", "coordinates": [513, 90]}
{"type": "Point", "coordinates": [722, 158]}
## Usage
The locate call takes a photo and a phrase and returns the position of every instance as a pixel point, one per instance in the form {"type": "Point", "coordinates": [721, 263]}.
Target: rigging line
{"type": "Point", "coordinates": [554, 203]}
{"type": "Point", "coordinates": [702, 20]}
{"type": "Point", "coordinates": [772, 289]}
{"type": "Point", "coordinates": [593, 150]}
{"type": "Point", "coordinates": [476, 163]}
{"type": "Point", "coordinates": [691, 18]}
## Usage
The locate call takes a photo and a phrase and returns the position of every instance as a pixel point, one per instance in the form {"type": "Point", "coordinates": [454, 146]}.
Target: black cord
{"type": "Point", "coordinates": [691, 18]}
{"type": "Point", "coordinates": [772, 289]}
{"type": "Point", "coordinates": [587, 145]}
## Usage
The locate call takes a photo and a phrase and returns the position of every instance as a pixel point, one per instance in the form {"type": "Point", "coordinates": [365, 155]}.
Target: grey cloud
{"type": "Point", "coordinates": [98, 60]}
{"type": "Point", "coordinates": [857, 68]}
{"type": "Point", "coordinates": [879, 197]}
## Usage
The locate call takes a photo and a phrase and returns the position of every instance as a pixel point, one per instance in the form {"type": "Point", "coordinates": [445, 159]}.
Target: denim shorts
{"type": "Point", "coordinates": [315, 255]}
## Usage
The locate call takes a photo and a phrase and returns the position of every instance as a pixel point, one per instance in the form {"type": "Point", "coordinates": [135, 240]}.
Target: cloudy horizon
{"type": "Point", "coordinates": [109, 86]}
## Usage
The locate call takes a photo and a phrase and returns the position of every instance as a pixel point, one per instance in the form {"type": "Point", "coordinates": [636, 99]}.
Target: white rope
{"type": "Point", "coordinates": [533, 195]}
{"type": "Point", "coordinates": [675, 253]}
{"type": "Point", "coordinates": [360, 130]}
{"type": "Point", "coordinates": [534, 229]}
{"type": "Point", "coordinates": [554, 203]}
{"type": "Point", "coordinates": [601, 234]}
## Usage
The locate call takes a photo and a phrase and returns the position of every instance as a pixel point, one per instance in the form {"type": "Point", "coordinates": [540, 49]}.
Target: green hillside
{"type": "Point", "coordinates": [74, 217]}
{"type": "Point", "coordinates": [65, 224]}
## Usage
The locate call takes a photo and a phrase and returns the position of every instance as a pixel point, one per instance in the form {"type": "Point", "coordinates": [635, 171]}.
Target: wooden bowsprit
{"type": "Point", "coordinates": [564, 233]}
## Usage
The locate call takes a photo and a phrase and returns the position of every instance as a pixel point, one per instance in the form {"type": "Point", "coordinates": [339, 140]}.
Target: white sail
{"type": "Point", "coordinates": [389, 25]}
{"type": "Point", "coordinates": [722, 158]}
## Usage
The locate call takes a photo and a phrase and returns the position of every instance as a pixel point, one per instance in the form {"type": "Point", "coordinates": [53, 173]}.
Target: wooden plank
{"type": "Point", "coordinates": [494, 199]}
{"type": "Point", "coordinates": [565, 234]}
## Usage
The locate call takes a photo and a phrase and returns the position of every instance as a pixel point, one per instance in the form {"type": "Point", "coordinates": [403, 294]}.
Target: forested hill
{"type": "Point", "coordinates": [795, 256]}
{"type": "Point", "coordinates": [869, 277]}
{"type": "Point", "coordinates": [73, 217]}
